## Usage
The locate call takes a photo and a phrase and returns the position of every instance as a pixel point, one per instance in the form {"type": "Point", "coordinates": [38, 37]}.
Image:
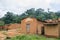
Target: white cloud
{"type": "Point", "coordinates": [2, 12]}
{"type": "Point", "coordinates": [19, 6]}
{"type": "Point", "coordinates": [55, 5]}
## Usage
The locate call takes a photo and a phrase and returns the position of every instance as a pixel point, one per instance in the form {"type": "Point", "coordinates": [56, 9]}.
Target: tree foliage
{"type": "Point", "coordinates": [39, 14]}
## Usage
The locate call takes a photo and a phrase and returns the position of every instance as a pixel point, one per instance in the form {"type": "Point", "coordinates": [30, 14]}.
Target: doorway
{"type": "Point", "coordinates": [42, 31]}
{"type": "Point", "coordinates": [28, 28]}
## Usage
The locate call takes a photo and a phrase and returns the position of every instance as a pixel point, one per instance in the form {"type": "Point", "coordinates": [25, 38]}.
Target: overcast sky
{"type": "Point", "coordinates": [19, 6]}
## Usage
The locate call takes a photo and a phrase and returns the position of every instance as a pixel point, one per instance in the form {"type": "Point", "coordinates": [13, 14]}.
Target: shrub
{"type": "Point", "coordinates": [1, 23]}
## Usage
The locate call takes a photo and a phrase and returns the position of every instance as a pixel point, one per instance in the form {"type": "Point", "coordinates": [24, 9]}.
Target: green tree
{"type": "Point", "coordinates": [16, 19]}
{"type": "Point", "coordinates": [58, 14]}
{"type": "Point", "coordinates": [31, 12]}
{"type": "Point", "coordinates": [40, 14]}
{"type": "Point", "coordinates": [53, 16]}
{"type": "Point", "coordinates": [8, 18]}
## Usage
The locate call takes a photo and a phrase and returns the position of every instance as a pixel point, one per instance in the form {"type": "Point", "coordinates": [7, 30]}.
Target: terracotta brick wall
{"type": "Point", "coordinates": [33, 25]}
{"type": "Point", "coordinates": [6, 27]}
{"type": "Point", "coordinates": [12, 26]}
{"type": "Point", "coordinates": [52, 31]}
{"type": "Point", "coordinates": [1, 27]}
{"type": "Point", "coordinates": [40, 25]}
{"type": "Point", "coordinates": [59, 28]}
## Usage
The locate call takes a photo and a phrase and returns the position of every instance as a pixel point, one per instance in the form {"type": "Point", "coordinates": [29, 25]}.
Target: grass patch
{"type": "Point", "coordinates": [32, 37]}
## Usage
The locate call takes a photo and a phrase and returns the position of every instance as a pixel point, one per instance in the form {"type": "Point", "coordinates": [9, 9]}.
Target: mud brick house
{"type": "Point", "coordinates": [33, 26]}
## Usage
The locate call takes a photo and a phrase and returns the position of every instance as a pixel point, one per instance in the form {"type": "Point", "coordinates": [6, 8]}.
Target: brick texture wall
{"type": "Point", "coordinates": [12, 26]}
{"type": "Point", "coordinates": [33, 25]}
{"type": "Point", "coordinates": [52, 31]}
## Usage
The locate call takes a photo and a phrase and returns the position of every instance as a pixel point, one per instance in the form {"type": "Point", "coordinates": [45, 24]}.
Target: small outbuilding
{"type": "Point", "coordinates": [52, 29]}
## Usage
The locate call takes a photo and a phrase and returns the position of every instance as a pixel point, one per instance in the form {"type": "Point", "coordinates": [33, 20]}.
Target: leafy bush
{"type": "Point", "coordinates": [1, 23]}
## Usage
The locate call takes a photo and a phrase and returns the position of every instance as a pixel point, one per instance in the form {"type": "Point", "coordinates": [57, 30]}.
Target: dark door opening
{"type": "Point", "coordinates": [36, 30]}
{"type": "Point", "coordinates": [42, 31]}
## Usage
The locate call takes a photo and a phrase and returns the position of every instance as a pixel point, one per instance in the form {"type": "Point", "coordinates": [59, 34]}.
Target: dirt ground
{"type": "Point", "coordinates": [9, 33]}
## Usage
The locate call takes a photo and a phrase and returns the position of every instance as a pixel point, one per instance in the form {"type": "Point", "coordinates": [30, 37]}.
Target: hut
{"type": "Point", "coordinates": [52, 29]}
{"type": "Point", "coordinates": [33, 26]}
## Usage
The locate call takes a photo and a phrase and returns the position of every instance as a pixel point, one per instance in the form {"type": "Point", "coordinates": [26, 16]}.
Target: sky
{"type": "Point", "coordinates": [20, 6]}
